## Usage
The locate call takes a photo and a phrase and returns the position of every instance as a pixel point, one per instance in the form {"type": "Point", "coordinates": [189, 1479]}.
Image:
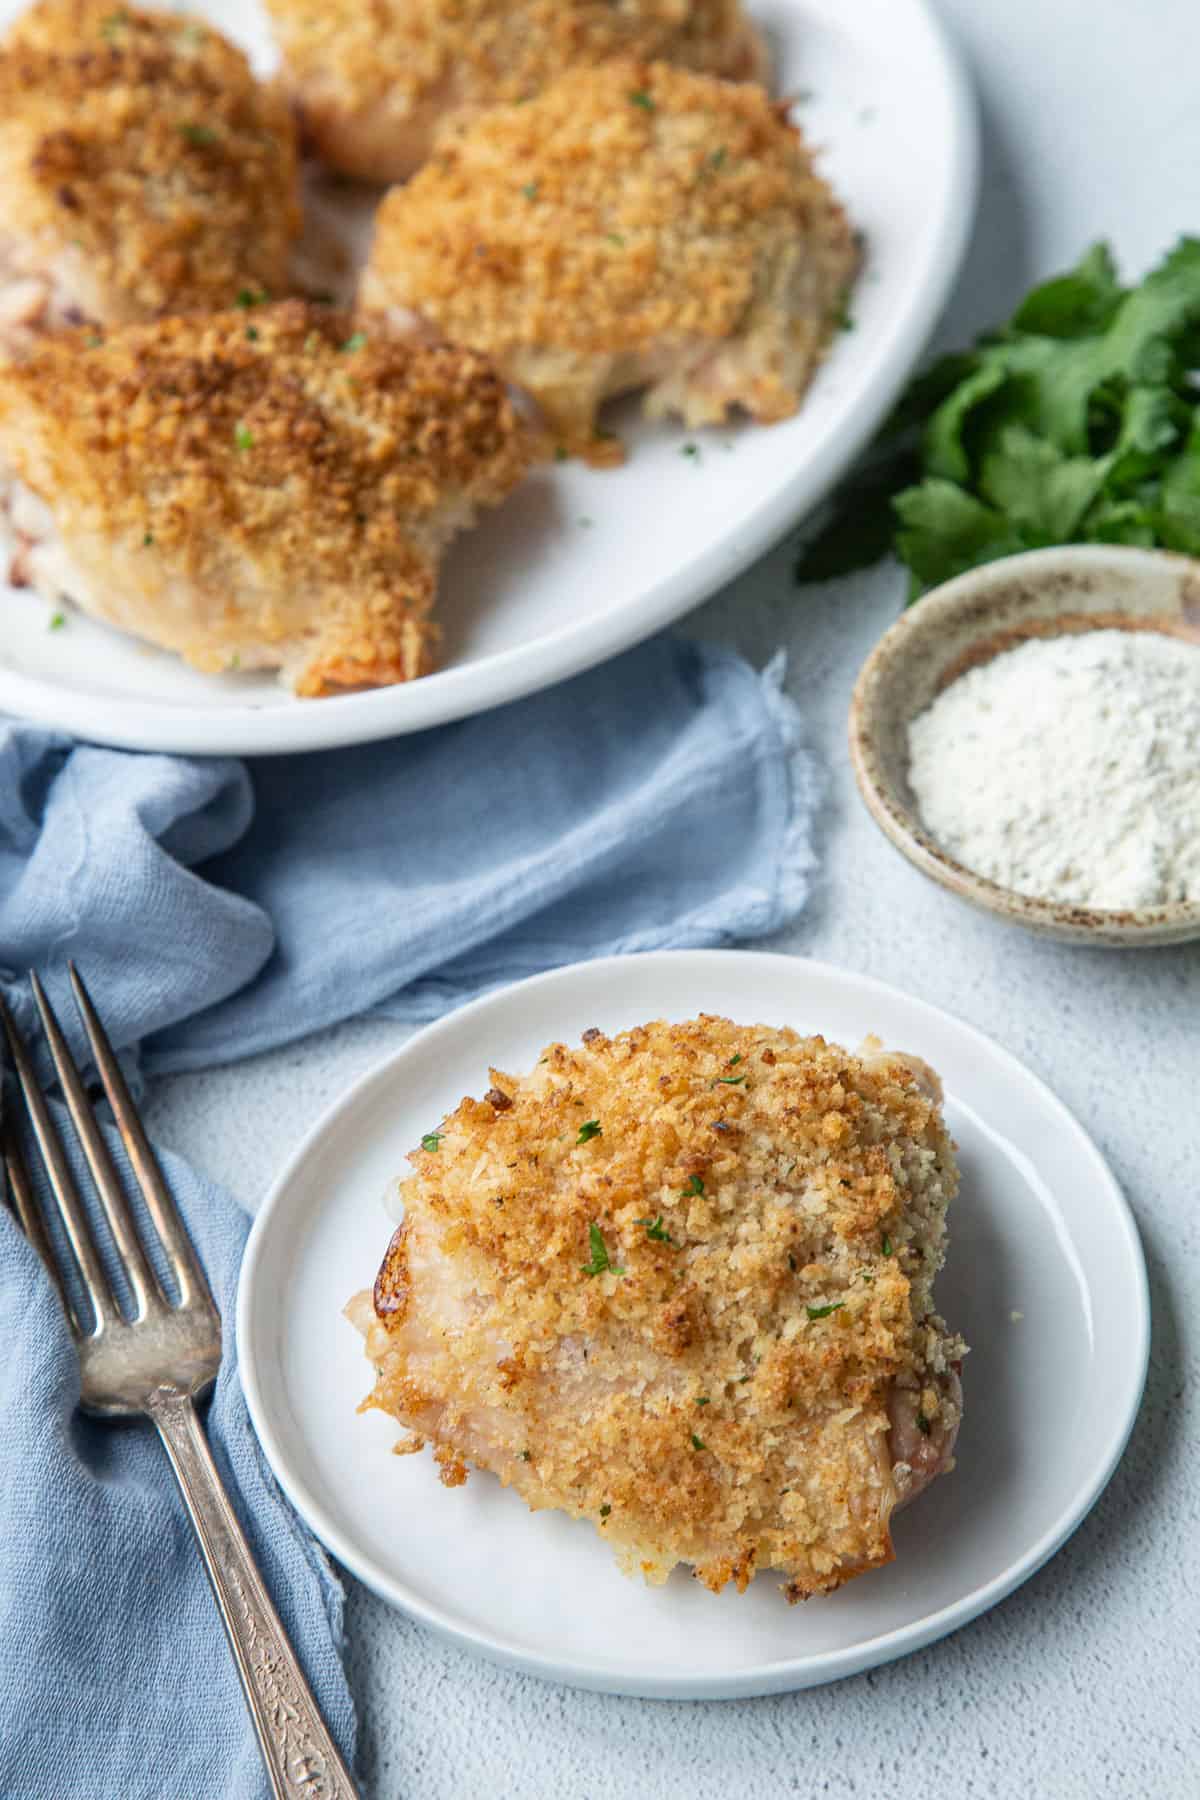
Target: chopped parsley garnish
{"type": "Point", "coordinates": [530, 190]}
{"type": "Point", "coordinates": [717, 157]}
{"type": "Point", "coordinates": [95, 341]}
{"type": "Point", "coordinates": [431, 1141]}
{"type": "Point", "coordinates": [702, 1399]}
{"type": "Point", "coordinates": [354, 342]}
{"type": "Point", "coordinates": [243, 437]}
{"type": "Point", "coordinates": [886, 1245]}
{"type": "Point", "coordinates": [823, 1312]}
{"type": "Point", "coordinates": [742, 1379]}
{"type": "Point", "coordinates": [605, 1510]}
{"type": "Point", "coordinates": [560, 455]}
{"type": "Point", "coordinates": [843, 318]}
{"type": "Point", "coordinates": [614, 237]}
{"type": "Point", "coordinates": [147, 539]}
{"type": "Point", "coordinates": [654, 1229]}
{"type": "Point", "coordinates": [730, 1080]}
{"type": "Point", "coordinates": [924, 1424]}
{"type": "Point", "coordinates": [641, 98]}
{"type": "Point", "coordinates": [601, 1263]}
{"type": "Point", "coordinates": [252, 333]}
{"type": "Point", "coordinates": [791, 1262]}
{"type": "Point", "coordinates": [734, 1061]}
{"type": "Point", "coordinates": [110, 26]}
{"type": "Point", "coordinates": [591, 1128]}
{"type": "Point", "coordinates": [199, 135]}
{"type": "Point", "coordinates": [697, 1443]}
{"type": "Point", "coordinates": [56, 621]}
{"type": "Point", "coordinates": [692, 450]}
{"type": "Point", "coordinates": [694, 1185]}
{"type": "Point", "coordinates": [247, 297]}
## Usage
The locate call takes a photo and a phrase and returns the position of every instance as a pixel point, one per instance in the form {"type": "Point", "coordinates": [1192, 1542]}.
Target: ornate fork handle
{"type": "Point", "coordinates": [302, 1760]}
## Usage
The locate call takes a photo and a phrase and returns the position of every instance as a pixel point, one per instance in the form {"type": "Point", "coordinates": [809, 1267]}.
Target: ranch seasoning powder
{"type": "Point", "coordinates": [1069, 769]}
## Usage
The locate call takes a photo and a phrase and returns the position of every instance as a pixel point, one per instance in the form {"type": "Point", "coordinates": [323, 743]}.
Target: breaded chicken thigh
{"type": "Point", "coordinates": [257, 489]}
{"type": "Point", "coordinates": [144, 170]}
{"type": "Point", "coordinates": [679, 1282]}
{"type": "Point", "coordinates": [635, 226]}
{"type": "Point", "coordinates": [375, 82]}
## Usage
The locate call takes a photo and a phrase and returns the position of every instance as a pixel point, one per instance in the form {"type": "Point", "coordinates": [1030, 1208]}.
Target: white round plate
{"type": "Point", "coordinates": [581, 563]}
{"type": "Point", "coordinates": [1045, 1279]}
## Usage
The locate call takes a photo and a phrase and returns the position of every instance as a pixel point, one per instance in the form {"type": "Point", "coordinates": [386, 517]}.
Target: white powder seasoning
{"type": "Point", "coordinates": [1069, 769]}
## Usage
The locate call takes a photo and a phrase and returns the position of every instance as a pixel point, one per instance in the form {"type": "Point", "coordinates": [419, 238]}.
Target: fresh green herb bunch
{"type": "Point", "coordinates": [1078, 422]}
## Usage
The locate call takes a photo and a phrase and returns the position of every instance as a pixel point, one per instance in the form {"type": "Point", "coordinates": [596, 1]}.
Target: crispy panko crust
{"type": "Point", "coordinates": [266, 487]}
{"type": "Point", "coordinates": [729, 1393]}
{"type": "Point", "coordinates": [375, 82]}
{"type": "Point", "coordinates": [634, 224]}
{"type": "Point", "coordinates": [142, 163]}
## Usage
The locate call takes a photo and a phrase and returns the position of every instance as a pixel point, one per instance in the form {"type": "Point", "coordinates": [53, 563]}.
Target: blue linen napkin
{"type": "Point", "coordinates": [219, 908]}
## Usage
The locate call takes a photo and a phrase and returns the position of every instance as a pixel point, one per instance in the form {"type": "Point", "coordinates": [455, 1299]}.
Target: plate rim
{"type": "Point", "coordinates": [791, 1674]}
{"type": "Point", "coordinates": [496, 679]}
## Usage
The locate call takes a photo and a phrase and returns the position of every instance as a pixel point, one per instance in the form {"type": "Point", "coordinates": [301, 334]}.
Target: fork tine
{"type": "Point", "coordinates": [29, 1214]}
{"type": "Point", "coordinates": [162, 1209]}
{"type": "Point", "coordinates": [62, 1182]}
{"type": "Point", "coordinates": [138, 1272]}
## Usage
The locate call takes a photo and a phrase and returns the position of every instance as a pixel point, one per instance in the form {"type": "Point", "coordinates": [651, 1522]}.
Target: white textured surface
{"type": "Point", "coordinates": [1087, 1682]}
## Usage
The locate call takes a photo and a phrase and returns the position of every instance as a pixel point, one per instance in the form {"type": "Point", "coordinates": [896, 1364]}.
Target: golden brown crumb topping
{"type": "Point", "coordinates": [141, 142]}
{"type": "Point", "coordinates": [494, 50]}
{"type": "Point", "coordinates": [275, 451]}
{"type": "Point", "coordinates": [671, 1284]}
{"type": "Point", "coordinates": [627, 205]}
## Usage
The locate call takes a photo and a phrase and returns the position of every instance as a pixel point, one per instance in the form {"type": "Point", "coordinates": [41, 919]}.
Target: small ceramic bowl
{"type": "Point", "coordinates": [969, 620]}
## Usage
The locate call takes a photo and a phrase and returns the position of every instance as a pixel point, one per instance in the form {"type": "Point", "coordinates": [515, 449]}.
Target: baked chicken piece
{"type": "Point", "coordinates": [374, 83]}
{"type": "Point", "coordinates": [266, 488]}
{"type": "Point", "coordinates": [144, 169]}
{"type": "Point", "coordinates": [679, 1282]}
{"type": "Point", "coordinates": [632, 227]}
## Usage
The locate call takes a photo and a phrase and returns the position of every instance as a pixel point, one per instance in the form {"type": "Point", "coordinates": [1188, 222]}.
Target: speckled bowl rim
{"type": "Point", "coordinates": [1176, 923]}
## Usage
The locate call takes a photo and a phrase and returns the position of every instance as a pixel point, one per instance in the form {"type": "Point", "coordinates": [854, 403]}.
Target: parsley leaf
{"type": "Point", "coordinates": [56, 621]}
{"type": "Point", "coordinates": [823, 1312]}
{"type": "Point", "coordinates": [886, 1245]}
{"type": "Point", "coordinates": [1077, 422]}
{"type": "Point", "coordinates": [591, 1128]}
{"type": "Point", "coordinates": [530, 190]}
{"type": "Point", "coordinates": [243, 437]}
{"type": "Point", "coordinates": [605, 1510]}
{"type": "Point", "coordinates": [694, 1185]}
{"type": "Point", "coordinates": [432, 1140]}
{"type": "Point", "coordinates": [654, 1229]}
{"type": "Point", "coordinates": [698, 1443]}
{"type": "Point", "coordinates": [247, 297]}
{"type": "Point", "coordinates": [355, 341]}
{"type": "Point", "coordinates": [601, 1264]}
{"type": "Point", "coordinates": [199, 135]}
{"type": "Point", "coordinates": [730, 1080]}
{"type": "Point", "coordinates": [640, 98]}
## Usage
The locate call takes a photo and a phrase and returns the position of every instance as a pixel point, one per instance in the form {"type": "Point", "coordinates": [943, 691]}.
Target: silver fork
{"type": "Point", "coordinates": [160, 1360]}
